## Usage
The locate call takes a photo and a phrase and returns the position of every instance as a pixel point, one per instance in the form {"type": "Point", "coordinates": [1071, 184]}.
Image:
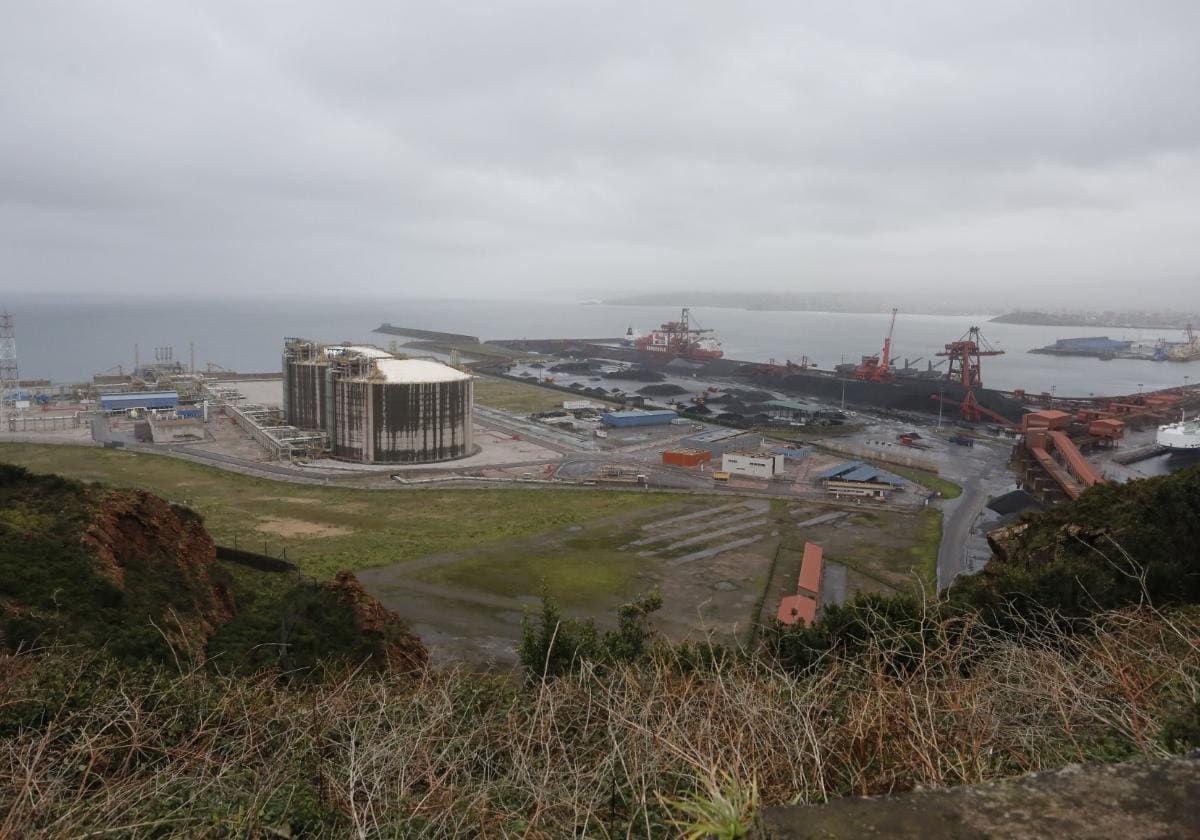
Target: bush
{"type": "Point", "coordinates": [552, 645]}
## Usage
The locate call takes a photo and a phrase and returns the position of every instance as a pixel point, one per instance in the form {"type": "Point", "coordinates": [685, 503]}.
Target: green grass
{"type": "Point", "coordinates": [575, 579]}
{"type": "Point", "coordinates": [925, 552]}
{"type": "Point", "coordinates": [897, 551]}
{"type": "Point", "coordinates": [367, 528]}
{"type": "Point", "coordinates": [519, 397]}
{"type": "Point", "coordinates": [581, 569]}
{"type": "Point", "coordinates": [522, 397]}
{"type": "Point", "coordinates": [947, 488]}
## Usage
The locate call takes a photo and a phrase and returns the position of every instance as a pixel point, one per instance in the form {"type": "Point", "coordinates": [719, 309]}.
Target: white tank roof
{"type": "Point", "coordinates": [417, 371]}
{"type": "Point", "coordinates": [360, 349]}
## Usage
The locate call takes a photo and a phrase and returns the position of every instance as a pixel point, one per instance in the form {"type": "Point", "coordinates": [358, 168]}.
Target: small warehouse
{"type": "Point", "coordinates": [1047, 419]}
{"type": "Point", "coordinates": [754, 464]}
{"type": "Point", "coordinates": [686, 457]}
{"type": "Point", "coordinates": [142, 400]}
{"type": "Point", "coordinates": [797, 608]}
{"type": "Point", "coordinates": [1107, 429]}
{"type": "Point", "coordinates": [628, 419]}
{"type": "Point", "coordinates": [854, 479]}
{"type": "Point", "coordinates": [792, 452]}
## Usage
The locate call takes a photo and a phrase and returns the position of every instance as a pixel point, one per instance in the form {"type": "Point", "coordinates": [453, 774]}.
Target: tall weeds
{"type": "Point", "coordinates": [89, 749]}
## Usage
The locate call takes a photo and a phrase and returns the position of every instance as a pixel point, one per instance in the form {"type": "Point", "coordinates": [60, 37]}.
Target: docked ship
{"type": "Point", "coordinates": [1099, 346]}
{"type": "Point", "coordinates": [1188, 351]}
{"type": "Point", "coordinates": [877, 381]}
{"type": "Point", "coordinates": [1182, 439]}
{"type": "Point", "coordinates": [679, 339]}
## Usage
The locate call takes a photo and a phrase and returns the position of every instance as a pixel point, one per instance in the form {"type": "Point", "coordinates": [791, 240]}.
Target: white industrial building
{"type": "Point", "coordinates": [765, 465]}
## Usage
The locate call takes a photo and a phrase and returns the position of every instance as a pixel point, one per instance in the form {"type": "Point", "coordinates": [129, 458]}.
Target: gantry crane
{"type": "Point", "coordinates": [966, 369]}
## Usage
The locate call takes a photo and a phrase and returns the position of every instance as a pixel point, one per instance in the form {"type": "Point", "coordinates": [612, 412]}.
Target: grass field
{"type": "Point", "coordinates": [925, 552]}
{"type": "Point", "coordinates": [325, 529]}
{"type": "Point", "coordinates": [520, 397]}
{"type": "Point", "coordinates": [947, 488]}
{"type": "Point", "coordinates": [577, 569]}
{"type": "Point", "coordinates": [887, 551]}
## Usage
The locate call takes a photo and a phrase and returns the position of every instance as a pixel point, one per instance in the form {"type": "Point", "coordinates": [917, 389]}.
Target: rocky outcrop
{"type": "Point", "coordinates": [129, 572]}
{"type": "Point", "coordinates": [135, 531]}
{"type": "Point", "coordinates": [1136, 801]}
{"type": "Point", "coordinates": [1017, 542]}
{"type": "Point", "coordinates": [397, 647]}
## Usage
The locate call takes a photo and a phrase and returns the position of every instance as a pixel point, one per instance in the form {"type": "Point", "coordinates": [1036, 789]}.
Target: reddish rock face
{"type": "Point", "coordinates": [400, 648]}
{"type": "Point", "coordinates": [138, 528]}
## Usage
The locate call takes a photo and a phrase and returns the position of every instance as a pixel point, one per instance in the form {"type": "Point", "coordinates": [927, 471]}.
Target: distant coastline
{"type": "Point", "coordinates": [848, 303]}
{"type": "Point", "coordinates": [1115, 320]}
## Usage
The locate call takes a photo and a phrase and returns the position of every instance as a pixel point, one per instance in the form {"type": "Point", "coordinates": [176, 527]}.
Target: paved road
{"type": "Point", "coordinates": [983, 473]}
{"type": "Point", "coordinates": [959, 516]}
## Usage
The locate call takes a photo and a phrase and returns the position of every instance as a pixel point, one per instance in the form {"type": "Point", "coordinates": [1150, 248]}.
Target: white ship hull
{"type": "Point", "coordinates": [1180, 437]}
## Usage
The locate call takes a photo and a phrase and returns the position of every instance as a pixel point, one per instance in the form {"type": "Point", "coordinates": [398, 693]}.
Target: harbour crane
{"type": "Point", "coordinates": [965, 357]}
{"type": "Point", "coordinates": [879, 368]}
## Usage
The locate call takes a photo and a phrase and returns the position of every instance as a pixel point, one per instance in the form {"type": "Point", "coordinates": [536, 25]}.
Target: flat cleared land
{"type": "Point", "coordinates": [884, 551]}
{"type": "Point", "coordinates": [865, 551]}
{"type": "Point", "coordinates": [469, 604]}
{"type": "Point", "coordinates": [463, 566]}
{"type": "Point", "coordinates": [520, 397]}
{"type": "Point", "coordinates": [325, 529]}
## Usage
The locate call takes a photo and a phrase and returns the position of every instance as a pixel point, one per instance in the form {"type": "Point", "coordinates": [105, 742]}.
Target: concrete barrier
{"type": "Point", "coordinates": [873, 454]}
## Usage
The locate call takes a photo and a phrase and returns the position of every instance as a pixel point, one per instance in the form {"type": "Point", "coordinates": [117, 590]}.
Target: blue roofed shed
{"type": "Point", "coordinates": [840, 469]}
{"type": "Point", "coordinates": [143, 399]}
{"type": "Point", "coordinates": [624, 419]}
{"type": "Point", "coordinates": [866, 473]}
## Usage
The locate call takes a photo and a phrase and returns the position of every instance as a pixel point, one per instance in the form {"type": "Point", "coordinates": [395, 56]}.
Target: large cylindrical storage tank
{"type": "Point", "coordinates": [349, 431]}
{"type": "Point", "coordinates": [405, 411]}
{"type": "Point", "coordinates": [304, 368]}
{"type": "Point", "coordinates": [420, 412]}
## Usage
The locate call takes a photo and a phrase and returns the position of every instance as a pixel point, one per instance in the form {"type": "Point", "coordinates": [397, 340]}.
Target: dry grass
{"type": "Point", "coordinates": [590, 754]}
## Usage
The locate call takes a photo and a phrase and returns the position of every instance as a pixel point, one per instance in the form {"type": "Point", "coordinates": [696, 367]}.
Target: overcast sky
{"type": "Point", "coordinates": [584, 150]}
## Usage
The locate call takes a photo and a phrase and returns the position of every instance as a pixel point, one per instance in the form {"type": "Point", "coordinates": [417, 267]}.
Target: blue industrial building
{"type": "Point", "coordinates": [143, 399]}
{"type": "Point", "coordinates": [858, 472]}
{"type": "Point", "coordinates": [790, 452]}
{"type": "Point", "coordinates": [1089, 344]}
{"type": "Point", "coordinates": [624, 419]}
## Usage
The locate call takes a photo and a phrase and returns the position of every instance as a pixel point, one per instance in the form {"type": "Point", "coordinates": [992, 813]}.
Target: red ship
{"type": "Point", "coordinates": [681, 338]}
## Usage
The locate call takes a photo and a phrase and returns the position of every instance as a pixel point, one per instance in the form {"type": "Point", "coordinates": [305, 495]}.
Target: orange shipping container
{"type": "Point", "coordinates": [686, 457]}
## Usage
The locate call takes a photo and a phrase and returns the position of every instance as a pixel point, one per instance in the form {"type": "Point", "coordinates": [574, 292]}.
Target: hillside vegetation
{"type": "Point", "coordinates": [1081, 642]}
{"type": "Point", "coordinates": [326, 529]}
{"type": "Point", "coordinates": [126, 572]}
{"type": "Point", "coordinates": [597, 752]}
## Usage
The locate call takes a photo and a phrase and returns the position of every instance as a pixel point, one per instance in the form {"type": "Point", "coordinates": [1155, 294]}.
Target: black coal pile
{"type": "Point", "coordinates": [665, 390]}
{"type": "Point", "coordinates": [573, 367]}
{"type": "Point", "coordinates": [749, 395]}
{"type": "Point", "coordinates": [636, 375]}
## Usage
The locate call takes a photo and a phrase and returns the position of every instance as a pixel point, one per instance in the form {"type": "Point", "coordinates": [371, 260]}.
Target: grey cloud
{"type": "Point", "coordinates": [553, 147]}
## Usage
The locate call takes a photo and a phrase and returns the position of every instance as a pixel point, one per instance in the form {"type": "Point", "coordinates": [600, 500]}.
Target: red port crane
{"type": "Point", "coordinates": [965, 369]}
{"type": "Point", "coordinates": [879, 368]}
